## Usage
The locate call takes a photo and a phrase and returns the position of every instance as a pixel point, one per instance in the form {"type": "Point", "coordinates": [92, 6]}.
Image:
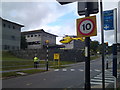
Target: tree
{"type": "Point", "coordinates": [23, 42]}
{"type": "Point", "coordinates": [94, 46]}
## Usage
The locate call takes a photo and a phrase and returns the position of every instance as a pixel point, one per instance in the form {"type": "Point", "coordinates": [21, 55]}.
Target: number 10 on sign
{"type": "Point", "coordinates": [86, 27]}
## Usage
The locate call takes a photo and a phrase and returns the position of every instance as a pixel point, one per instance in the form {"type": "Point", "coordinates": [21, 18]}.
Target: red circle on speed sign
{"type": "Point", "coordinates": [86, 26]}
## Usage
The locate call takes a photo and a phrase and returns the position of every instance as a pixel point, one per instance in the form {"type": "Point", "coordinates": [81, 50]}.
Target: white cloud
{"type": "Point", "coordinates": [37, 15]}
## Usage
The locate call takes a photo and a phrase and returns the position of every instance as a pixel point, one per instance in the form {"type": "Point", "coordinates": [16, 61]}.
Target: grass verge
{"type": "Point", "coordinates": [21, 73]}
{"type": "Point", "coordinates": [94, 57]}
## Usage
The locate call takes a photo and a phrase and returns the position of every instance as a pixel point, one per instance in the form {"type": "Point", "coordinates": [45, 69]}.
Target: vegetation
{"type": "Point", "coordinates": [26, 72]}
{"type": "Point", "coordinates": [23, 42]}
{"type": "Point", "coordinates": [94, 47]}
{"type": "Point", "coordinates": [10, 62]}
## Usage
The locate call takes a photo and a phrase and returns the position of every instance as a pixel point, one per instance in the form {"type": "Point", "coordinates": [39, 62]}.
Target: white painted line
{"type": "Point", "coordinates": [56, 70]}
{"type": "Point", "coordinates": [105, 70]}
{"type": "Point", "coordinates": [97, 70]}
{"type": "Point", "coordinates": [105, 78]}
{"type": "Point", "coordinates": [109, 81]}
{"type": "Point", "coordinates": [109, 76]}
{"type": "Point", "coordinates": [72, 70]}
{"type": "Point", "coordinates": [64, 70]}
{"type": "Point", "coordinates": [28, 84]}
{"type": "Point", "coordinates": [81, 70]}
{"type": "Point", "coordinates": [98, 83]}
{"type": "Point", "coordinates": [96, 80]}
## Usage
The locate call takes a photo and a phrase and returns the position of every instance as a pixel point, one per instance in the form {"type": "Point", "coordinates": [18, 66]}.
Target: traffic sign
{"type": "Point", "coordinates": [86, 27]}
{"type": "Point", "coordinates": [109, 20]}
{"type": "Point", "coordinates": [56, 56]}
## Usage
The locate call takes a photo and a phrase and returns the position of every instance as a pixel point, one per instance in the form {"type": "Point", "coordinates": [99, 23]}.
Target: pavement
{"type": "Point", "coordinates": [118, 79]}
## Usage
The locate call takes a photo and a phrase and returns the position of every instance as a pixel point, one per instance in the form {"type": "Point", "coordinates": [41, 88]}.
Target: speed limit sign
{"type": "Point", "coordinates": [86, 27]}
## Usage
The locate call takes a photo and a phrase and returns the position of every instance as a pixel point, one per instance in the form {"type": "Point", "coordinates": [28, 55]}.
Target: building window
{"type": "Point", "coordinates": [13, 37]}
{"type": "Point", "coordinates": [4, 25]}
{"type": "Point", "coordinates": [13, 47]}
{"type": "Point", "coordinates": [35, 35]}
{"type": "Point", "coordinates": [13, 27]}
{"type": "Point", "coordinates": [8, 26]}
{"type": "Point", "coordinates": [17, 48]}
{"type": "Point", "coordinates": [31, 35]}
{"type": "Point", "coordinates": [6, 47]}
{"type": "Point", "coordinates": [28, 36]}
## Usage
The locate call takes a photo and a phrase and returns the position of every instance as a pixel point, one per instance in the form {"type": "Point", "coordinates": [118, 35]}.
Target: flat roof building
{"type": "Point", "coordinates": [11, 35]}
{"type": "Point", "coordinates": [36, 38]}
{"type": "Point", "coordinates": [75, 44]}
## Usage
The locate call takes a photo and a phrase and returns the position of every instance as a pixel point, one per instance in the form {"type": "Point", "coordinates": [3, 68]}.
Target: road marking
{"type": "Point", "coordinates": [28, 84]}
{"type": "Point", "coordinates": [64, 70]}
{"type": "Point", "coordinates": [97, 70]}
{"type": "Point", "coordinates": [97, 83]}
{"type": "Point", "coordinates": [44, 79]}
{"type": "Point", "coordinates": [109, 81]}
{"type": "Point", "coordinates": [81, 70]}
{"type": "Point", "coordinates": [56, 70]}
{"type": "Point", "coordinates": [72, 70]}
{"type": "Point", "coordinates": [101, 78]}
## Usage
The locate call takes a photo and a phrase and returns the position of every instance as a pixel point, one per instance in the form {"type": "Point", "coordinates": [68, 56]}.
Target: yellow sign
{"type": "Point", "coordinates": [56, 56]}
{"type": "Point", "coordinates": [86, 27]}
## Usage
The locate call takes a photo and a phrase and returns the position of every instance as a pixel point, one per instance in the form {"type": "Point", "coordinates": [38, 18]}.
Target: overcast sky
{"type": "Point", "coordinates": [50, 16]}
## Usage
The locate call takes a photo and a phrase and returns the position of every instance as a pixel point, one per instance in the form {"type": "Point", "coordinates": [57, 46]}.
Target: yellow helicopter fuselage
{"type": "Point", "coordinates": [68, 39]}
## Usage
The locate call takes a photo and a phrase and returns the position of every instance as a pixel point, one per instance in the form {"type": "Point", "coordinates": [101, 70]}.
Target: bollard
{"type": "Point", "coordinates": [107, 65]}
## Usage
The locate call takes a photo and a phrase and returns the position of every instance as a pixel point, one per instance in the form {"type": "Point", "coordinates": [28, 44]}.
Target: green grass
{"type": "Point", "coordinates": [94, 57]}
{"type": "Point", "coordinates": [9, 74]}
{"type": "Point", "coordinates": [8, 56]}
{"type": "Point", "coordinates": [10, 60]}
{"type": "Point", "coordinates": [33, 71]}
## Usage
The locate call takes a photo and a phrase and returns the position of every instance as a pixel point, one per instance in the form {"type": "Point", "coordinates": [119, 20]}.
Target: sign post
{"type": "Point", "coordinates": [47, 42]}
{"type": "Point", "coordinates": [57, 57]}
{"type": "Point", "coordinates": [87, 27]}
{"type": "Point", "coordinates": [87, 56]}
{"type": "Point", "coordinates": [110, 23]}
{"type": "Point", "coordinates": [102, 40]}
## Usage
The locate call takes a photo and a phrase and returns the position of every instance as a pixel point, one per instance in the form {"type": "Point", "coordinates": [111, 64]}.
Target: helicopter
{"type": "Point", "coordinates": [67, 39]}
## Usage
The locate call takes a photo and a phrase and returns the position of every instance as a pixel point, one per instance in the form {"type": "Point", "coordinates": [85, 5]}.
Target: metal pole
{"type": "Point", "coordinates": [47, 59]}
{"type": "Point", "coordinates": [87, 55]}
{"type": "Point", "coordinates": [115, 47]}
{"type": "Point", "coordinates": [103, 50]}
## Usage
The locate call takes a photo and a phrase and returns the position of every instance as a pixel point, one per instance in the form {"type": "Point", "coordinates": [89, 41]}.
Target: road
{"type": "Point", "coordinates": [70, 77]}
